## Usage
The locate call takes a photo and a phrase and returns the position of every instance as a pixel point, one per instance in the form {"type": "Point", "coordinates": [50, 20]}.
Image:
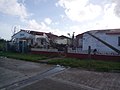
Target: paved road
{"type": "Point", "coordinates": [69, 79]}
{"type": "Point", "coordinates": [76, 79]}
{"type": "Point", "coordinates": [12, 70]}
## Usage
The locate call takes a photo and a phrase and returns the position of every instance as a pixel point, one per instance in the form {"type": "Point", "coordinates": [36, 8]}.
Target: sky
{"type": "Point", "coordinates": [59, 17]}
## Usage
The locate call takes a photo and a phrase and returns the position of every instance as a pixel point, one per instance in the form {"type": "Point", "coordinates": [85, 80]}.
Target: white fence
{"type": "Point", "coordinates": [42, 49]}
{"type": "Point", "coordinates": [80, 51]}
{"type": "Point", "coordinates": [77, 51]}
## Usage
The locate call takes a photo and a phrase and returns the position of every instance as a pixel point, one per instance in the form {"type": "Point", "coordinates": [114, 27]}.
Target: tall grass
{"type": "Point", "coordinates": [88, 64]}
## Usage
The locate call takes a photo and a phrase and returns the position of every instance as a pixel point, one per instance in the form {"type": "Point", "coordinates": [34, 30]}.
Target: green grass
{"type": "Point", "coordinates": [23, 56]}
{"type": "Point", "coordinates": [88, 64]}
{"type": "Point", "coordinates": [85, 64]}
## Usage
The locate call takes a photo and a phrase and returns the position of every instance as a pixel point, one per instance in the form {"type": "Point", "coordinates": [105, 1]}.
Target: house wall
{"type": "Point", "coordinates": [61, 41]}
{"type": "Point", "coordinates": [23, 34]}
{"type": "Point", "coordinates": [42, 41]}
{"type": "Point", "coordinates": [95, 44]}
{"type": "Point", "coordinates": [80, 43]}
{"type": "Point", "coordinates": [88, 41]}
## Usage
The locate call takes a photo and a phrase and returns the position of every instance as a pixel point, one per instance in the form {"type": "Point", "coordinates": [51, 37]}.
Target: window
{"type": "Point", "coordinates": [42, 41]}
{"type": "Point", "coordinates": [22, 34]}
{"type": "Point", "coordinates": [118, 41]}
{"type": "Point", "coordinates": [31, 41]}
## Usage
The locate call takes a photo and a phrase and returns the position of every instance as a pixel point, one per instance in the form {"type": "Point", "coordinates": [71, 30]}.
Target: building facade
{"type": "Point", "coordinates": [25, 38]}
{"type": "Point", "coordinates": [103, 41]}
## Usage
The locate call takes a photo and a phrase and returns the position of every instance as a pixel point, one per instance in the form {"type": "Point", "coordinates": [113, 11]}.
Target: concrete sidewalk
{"type": "Point", "coordinates": [76, 79]}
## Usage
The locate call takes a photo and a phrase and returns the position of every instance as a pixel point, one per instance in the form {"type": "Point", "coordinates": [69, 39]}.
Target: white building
{"type": "Point", "coordinates": [63, 40]}
{"type": "Point", "coordinates": [104, 41]}
{"type": "Point", "coordinates": [25, 38]}
{"type": "Point", "coordinates": [36, 39]}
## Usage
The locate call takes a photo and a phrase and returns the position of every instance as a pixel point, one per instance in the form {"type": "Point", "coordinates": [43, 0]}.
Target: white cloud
{"type": "Point", "coordinates": [107, 20]}
{"type": "Point", "coordinates": [12, 7]}
{"type": "Point", "coordinates": [110, 20]}
{"type": "Point", "coordinates": [42, 27]}
{"type": "Point", "coordinates": [62, 16]}
{"type": "Point", "coordinates": [56, 23]}
{"type": "Point", "coordinates": [80, 10]}
{"type": "Point", "coordinates": [5, 31]}
{"type": "Point", "coordinates": [48, 21]}
{"type": "Point", "coordinates": [117, 7]}
{"type": "Point", "coordinates": [36, 2]}
{"type": "Point", "coordinates": [34, 25]}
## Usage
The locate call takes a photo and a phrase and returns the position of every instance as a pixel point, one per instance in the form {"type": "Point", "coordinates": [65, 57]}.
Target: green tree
{"type": "Point", "coordinates": [2, 44]}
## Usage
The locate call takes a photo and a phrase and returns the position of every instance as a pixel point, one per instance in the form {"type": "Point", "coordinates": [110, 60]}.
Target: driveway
{"type": "Point", "coordinates": [22, 75]}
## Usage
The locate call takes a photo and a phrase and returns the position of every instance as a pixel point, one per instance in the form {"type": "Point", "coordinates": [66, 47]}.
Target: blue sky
{"type": "Point", "coordinates": [58, 16]}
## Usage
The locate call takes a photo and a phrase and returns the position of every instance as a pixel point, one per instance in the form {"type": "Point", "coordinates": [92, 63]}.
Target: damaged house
{"type": "Point", "coordinates": [26, 38]}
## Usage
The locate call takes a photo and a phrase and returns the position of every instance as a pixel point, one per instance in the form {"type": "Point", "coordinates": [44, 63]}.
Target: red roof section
{"type": "Point", "coordinates": [50, 35]}
{"type": "Point", "coordinates": [36, 33]}
{"type": "Point", "coordinates": [113, 33]}
{"type": "Point", "coordinates": [109, 31]}
{"type": "Point", "coordinates": [79, 35]}
{"type": "Point", "coordinates": [63, 37]}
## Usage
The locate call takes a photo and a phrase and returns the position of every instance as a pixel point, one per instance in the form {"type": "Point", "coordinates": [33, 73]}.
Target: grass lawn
{"type": "Point", "coordinates": [23, 56]}
{"type": "Point", "coordinates": [72, 62]}
{"type": "Point", "coordinates": [88, 64]}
